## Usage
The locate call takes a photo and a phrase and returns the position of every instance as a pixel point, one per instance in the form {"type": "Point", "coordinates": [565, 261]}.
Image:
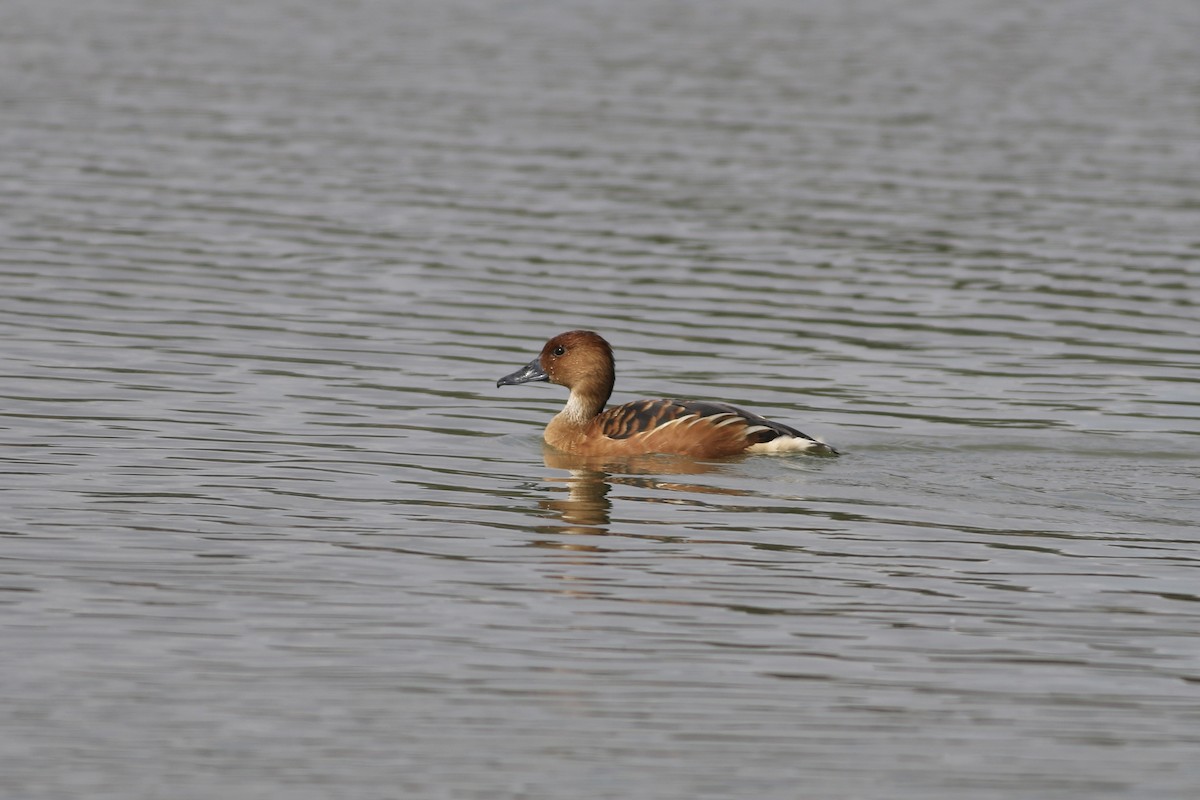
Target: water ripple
{"type": "Point", "coordinates": [269, 524]}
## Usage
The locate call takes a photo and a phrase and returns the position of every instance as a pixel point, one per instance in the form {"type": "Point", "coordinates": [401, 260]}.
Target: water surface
{"type": "Point", "coordinates": [270, 530]}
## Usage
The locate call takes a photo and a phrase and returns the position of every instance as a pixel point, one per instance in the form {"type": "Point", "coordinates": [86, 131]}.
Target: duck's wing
{"type": "Point", "coordinates": [698, 427]}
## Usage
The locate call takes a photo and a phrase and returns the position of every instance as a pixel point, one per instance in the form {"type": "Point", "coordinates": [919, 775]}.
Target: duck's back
{"type": "Point", "coordinates": [694, 428]}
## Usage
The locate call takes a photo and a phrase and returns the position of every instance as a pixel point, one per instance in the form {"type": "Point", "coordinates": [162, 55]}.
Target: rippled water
{"type": "Point", "coordinates": [270, 530]}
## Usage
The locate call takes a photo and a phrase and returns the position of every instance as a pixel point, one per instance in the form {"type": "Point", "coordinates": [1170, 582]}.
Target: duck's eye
{"type": "Point", "coordinates": [558, 351]}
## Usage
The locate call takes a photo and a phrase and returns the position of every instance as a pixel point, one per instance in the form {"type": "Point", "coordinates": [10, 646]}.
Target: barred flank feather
{"type": "Point", "coordinates": [675, 424]}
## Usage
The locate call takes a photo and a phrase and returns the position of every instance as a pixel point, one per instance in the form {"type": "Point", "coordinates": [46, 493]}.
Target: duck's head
{"type": "Point", "coordinates": [579, 360]}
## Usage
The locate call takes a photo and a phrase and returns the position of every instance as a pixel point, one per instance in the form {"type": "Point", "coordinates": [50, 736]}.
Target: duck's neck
{"type": "Point", "coordinates": [569, 426]}
{"type": "Point", "coordinates": [582, 407]}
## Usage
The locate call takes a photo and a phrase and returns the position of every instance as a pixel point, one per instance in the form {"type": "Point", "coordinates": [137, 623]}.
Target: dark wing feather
{"type": "Point", "coordinates": [642, 416]}
{"type": "Point", "coordinates": [631, 419]}
{"type": "Point", "coordinates": [773, 430]}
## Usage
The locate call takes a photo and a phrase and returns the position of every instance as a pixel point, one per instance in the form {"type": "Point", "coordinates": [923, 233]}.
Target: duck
{"type": "Point", "coordinates": [583, 362]}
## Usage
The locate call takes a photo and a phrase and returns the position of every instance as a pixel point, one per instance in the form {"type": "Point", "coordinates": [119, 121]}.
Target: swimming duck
{"type": "Point", "coordinates": [583, 362]}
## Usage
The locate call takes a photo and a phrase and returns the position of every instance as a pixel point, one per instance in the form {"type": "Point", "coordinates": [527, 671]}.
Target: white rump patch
{"type": "Point", "coordinates": [784, 444]}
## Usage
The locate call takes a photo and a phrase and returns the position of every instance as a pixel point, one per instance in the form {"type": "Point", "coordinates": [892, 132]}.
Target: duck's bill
{"type": "Point", "coordinates": [530, 372]}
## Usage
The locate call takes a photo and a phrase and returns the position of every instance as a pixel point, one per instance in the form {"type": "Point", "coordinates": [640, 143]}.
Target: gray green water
{"type": "Point", "coordinates": [268, 529]}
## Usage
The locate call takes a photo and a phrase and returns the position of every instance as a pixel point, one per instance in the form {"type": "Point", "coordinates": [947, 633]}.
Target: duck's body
{"type": "Point", "coordinates": [583, 362]}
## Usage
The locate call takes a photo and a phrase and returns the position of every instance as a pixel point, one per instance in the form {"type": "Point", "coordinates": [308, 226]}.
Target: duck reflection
{"type": "Point", "coordinates": [587, 509]}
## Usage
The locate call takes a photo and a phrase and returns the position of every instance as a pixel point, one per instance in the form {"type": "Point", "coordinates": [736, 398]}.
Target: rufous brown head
{"type": "Point", "coordinates": [580, 360]}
